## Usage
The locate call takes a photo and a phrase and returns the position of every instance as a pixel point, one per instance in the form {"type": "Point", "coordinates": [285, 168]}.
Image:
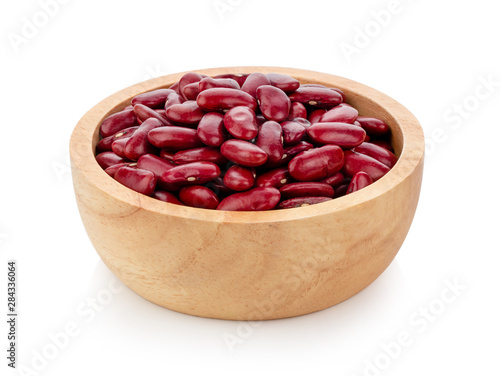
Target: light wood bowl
{"type": "Point", "coordinates": [250, 265]}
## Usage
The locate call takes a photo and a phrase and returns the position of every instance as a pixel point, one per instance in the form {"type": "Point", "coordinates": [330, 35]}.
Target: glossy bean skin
{"type": "Point", "coordinates": [118, 147]}
{"type": "Point", "coordinates": [207, 154]}
{"type": "Point", "coordinates": [139, 144]}
{"type": "Point", "coordinates": [253, 82]}
{"type": "Point", "coordinates": [105, 143]}
{"type": "Point", "coordinates": [117, 122]}
{"type": "Point", "coordinates": [241, 123]}
{"type": "Point", "coordinates": [297, 110]}
{"type": "Point", "coordinates": [316, 115]}
{"type": "Point", "coordinates": [187, 113]}
{"type": "Point", "coordinates": [141, 181]}
{"type": "Point", "coordinates": [191, 91]}
{"type": "Point", "coordinates": [300, 202]}
{"type": "Point", "coordinates": [144, 113]}
{"type": "Point", "coordinates": [316, 97]}
{"type": "Point", "coordinates": [211, 83]}
{"type": "Point", "coordinates": [334, 180]}
{"type": "Point", "coordinates": [343, 113]}
{"type": "Point", "coordinates": [293, 132]}
{"type": "Point", "coordinates": [167, 154]}
{"type": "Point", "coordinates": [240, 78]}
{"type": "Point", "coordinates": [342, 94]}
{"type": "Point", "coordinates": [270, 139]}
{"type": "Point", "coordinates": [217, 185]}
{"type": "Point", "coordinates": [192, 173]}
{"type": "Point", "coordinates": [383, 144]}
{"type": "Point", "coordinates": [239, 178]}
{"type": "Point", "coordinates": [293, 150]}
{"type": "Point", "coordinates": [243, 153]}
{"type": "Point", "coordinates": [187, 79]}
{"type": "Point", "coordinates": [373, 126]}
{"type": "Point", "coordinates": [174, 138]}
{"type": "Point", "coordinates": [198, 196]}
{"type": "Point", "coordinates": [342, 134]}
{"type": "Point", "coordinates": [211, 130]}
{"type": "Point", "coordinates": [112, 169]}
{"type": "Point", "coordinates": [306, 189]}
{"type": "Point", "coordinates": [378, 153]}
{"type": "Point", "coordinates": [175, 87]}
{"type": "Point", "coordinates": [355, 162]}
{"type": "Point", "coordinates": [153, 99]}
{"type": "Point", "coordinates": [316, 164]}
{"type": "Point", "coordinates": [276, 178]}
{"type": "Point", "coordinates": [158, 166]}
{"type": "Point", "coordinates": [273, 103]}
{"type": "Point", "coordinates": [108, 159]}
{"type": "Point", "coordinates": [261, 198]}
{"type": "Point", "coordinates": [173, 99]}
{"type": "Point", "coordinates": [221, 99]}
{"type": "Point", "coordinates": [166, 197]}
{"type": "Point", "coordinates": [284, 82]}
{"type": "Point", "coordinates": [359, 181]}
{"type": "Point", "coordinates": [341, 190]}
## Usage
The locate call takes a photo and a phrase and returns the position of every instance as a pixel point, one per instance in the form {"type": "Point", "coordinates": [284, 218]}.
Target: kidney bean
{"type": "Point", "coordinates": [187, 79]}
{"type": "Point", "coordinates": [373, 126]}
{"type": "Point", "coordinates": [139, 144]}
{"type": "Point", "coordinates": [174, 138]}
{"type": "Point", "coordinates": [293, 132]}
{"type": "Point", "coordinates": [359, 180]}
{"type": "Point", "coordinates": [112, 169]}
{"type": "Point", "coordinates": [220, 99]}
{"type": "Point", "coordinates": [108, 159]}
{"type": "Point", "coordinates": [144, 113]}
{"type": "Point", "coordinates": [300, 202]}
{"type": "Point", "coordinates": [117, 122]}
{"type": "Point", "coordinates": [355, 162]}
{"type": "Point", "coordinates": [129, 107]}
{"type": "Point", "coordinates": [341, 134]}
{"type": "Point", "coordinates": [378, 153]}
{"type": "Point", "coordinates": [172, 99]}
{"type": "Point", "coordinates": [141, 181]}
{"type": "Point", "coordinates": [158, 166]}
{"type": "Point", "coordinates": [243, 153]}
{"type": "Point", "coordinates": [343, 113]}
{"type": "Point", "coordinates": [105, 143]}
{"type": "Point", "coordinates": [260, 119]}
{"type": "Point", "coordinates": [293, 150]}
{"type": "Point", "coordinates": [276, 178]}
{"type": "Point", "coordinates": [306, 189]}
{"type": "Point", "coordinates": [211, 129]}
{"type": "Point", "coordinates": [270, 139]}
{"type": "Point", "coordinates": [253, 82]}
{"type": "Point", "coordinates": [297, 110]}
{"type": "Point", "coordinates": [284, 82]}
{"type": "Point", "coordinates": [211, 83]}
{"type": "Point", "coordinates": [261, 198]}
{"type": "Point", "coordinates": [188, 113]}
{"type": "Point", "coordinates": [342, 94]}
{"type": "Point", "coordinates": [341, 190]}
{"type": "Point", "coordinates": [383, 144]}
{"type": "Point", "coordinates": [334, 180]}
{"type": "Point", "coordinates": [166, 197]}
{"type": "Point", "coordinates": [198, 196]}
{"type": "Point", "coordinates": [167, 154]}
{"type": "Point", "coordinates": [118, 147]}
{"type": "Point", "coordinates": [315, 116]}
{"type": "Point", "coordinates": [192, 173]}
{"type": "Point", "coordinates": [207, 154]}
{"type": "Point", "coordinates": [239, 178]}
{"type": "Point", "coordinates": [273, 103]}
{"type": "Point", "coordinates": [316, 164]}
{"type": "Point", "coordinates": [241, 123]}
{"type": "Point", "coordinates": [175, 87]}
{"type": "Point", "coordinates": [240, 78]}
{"type": "Point", "coordinates": [316, 97]}
{"type": "Point", "coordinates": [153, 99]}
{"type": "Point", "coordinates": [191, 91]}
{"type": "Point", "coordinates": [217, 185]}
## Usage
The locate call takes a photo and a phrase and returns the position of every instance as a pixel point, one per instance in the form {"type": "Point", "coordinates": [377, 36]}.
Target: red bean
{"type": "Point", "coordinates": [240, 78]}
{"type": "Point", "coordinates": [220, 99]}
{"type": "Point", "coordinates": [191, 91]}
{"type": "Point", "coordinates": [297, 110]}
{"type": "Point", "coordinates": [210, 83]}
{"type": "Point", "coordinates": [270, 139]}
{"type": "Point", "coordinates": [118, 147]}
{"type": "Point", "coordinates": [192, 173]}
{"type": "Point", "coordinates": [141, 181]}
{"type": "Point", "coordinates": [316, 115]}
{"type": "Point", "coordinates": [378, 153]}
{"type": "Point", "coordinates": [217, 185]}
{"type": "Point", "coordinates": [239, 178]}
{"type": "Point", "coordinates": [300, 202]}
{"type": "Point", "coordinates": [342, 94]}
{"type": "Point", "coordinates": [198, 196]}
{"type": "Point", "coordinates": [293, 150]}
{"type": "Point", "coordinates": [261, 198]}
{"type": "Point", "coordinates": [175, 87]}
{"type": "Point", "coordinates": [355, 162]}
{"type": "Point", "coordinates": [273, 103]}
{"type": "Point", "coordinates": [166, 197]}
{"type": "Point", "coordinates": [188, 113]}
{"type": "Point", "coordinates": [241, 123]}
{"type": "Point", "coordinates": [383, 144]}
{"type": "Point", "coordinates": [341, 190]}
{"type": "Point", "coordinates": [117, 122]}
{"type": "Point", "coordinates": [253, 82]}
{"type": "Point", "coordinates": [187, 79]}
{"type": "Point", "coordinates": [198, 155]}
{"type": "Point", "coordinates": [174, 138]}
{"type": "Point", "coordinates": [276, 178]}
{"type": "Point", "coordinates": [153, 99]}
{"type": "Point", "coordinates": [293, 132]}
{"type": "Point", "coordinates": [341, 134]}
{"type": "Point", "coordinates": [243, 153]}
{"type": "Point", "coordinates": [316, 97]}
{"type": "Point", "coordinates": [112, 169]}
{"type": "Point", "coordinates": [305, 189]}
{"type": "Point", "coordinates": [317, 163]}
{"type": "Point", "coordinates": [139, 144]}
{"type": "Point", "coordinates": [105, 143]}
{"type": "Point", "coordinates": [284, 82]}
{"type": "Point", "coordinates": [373, 126]}
{"type": "Point", "coordinates": [158, 166]}
{"type": "Point", "coordinates": [144, 113]}
{"type": "Point", "coordinates": [172, 99]}
{"type": "Point", "coordinates": [108, 159]}
{"type": "Point", "coordinates": [343, 113]}
{"type": "Point", "coordinates": [359, 180]}
{"type": "Point", "coordinates": [211, 129]}
{"type": "Point", "coordinates": [334, 180]}
{"type": "Point", "coordinates": [167, 154]}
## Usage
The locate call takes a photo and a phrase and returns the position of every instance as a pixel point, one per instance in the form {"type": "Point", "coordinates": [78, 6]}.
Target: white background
{"type": "Point", "coordinates": [431, 56]}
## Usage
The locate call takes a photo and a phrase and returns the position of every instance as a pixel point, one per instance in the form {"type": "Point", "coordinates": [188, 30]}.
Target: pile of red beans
{"type": "Point", "coordinates": [244, 142]}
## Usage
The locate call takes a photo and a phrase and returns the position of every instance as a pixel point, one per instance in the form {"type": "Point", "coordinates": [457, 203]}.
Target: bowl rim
{"type": "Point", "coordinates": [83, 157]}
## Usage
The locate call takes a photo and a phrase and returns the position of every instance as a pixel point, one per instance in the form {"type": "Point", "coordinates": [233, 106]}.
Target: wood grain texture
{"type": "Point", "coordinates": [250, 265]}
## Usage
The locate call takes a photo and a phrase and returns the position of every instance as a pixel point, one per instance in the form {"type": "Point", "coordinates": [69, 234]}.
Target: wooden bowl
{"type": "Point", "coordinates": [250, 265]}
